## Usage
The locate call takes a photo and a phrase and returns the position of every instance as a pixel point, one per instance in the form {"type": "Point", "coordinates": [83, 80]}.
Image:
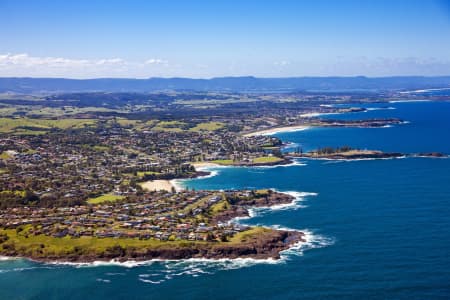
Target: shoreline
{"type": "Point", "coordinates": [266, 246]}
{"type": "Point", "coordinates": [272, 131]}
{"type": "Point", "coordinates": [158, 185]}
{"type": "Point", "coordinates": [205, 165]}
{"type": "Point", "coordinates": [262, 244]}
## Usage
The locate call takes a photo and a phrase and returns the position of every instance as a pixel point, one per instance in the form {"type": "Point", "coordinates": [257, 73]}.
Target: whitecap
{"type": "Point", "coordinates": [151, 281]}
{"type": "Point", "coordinates": [294, 163]}
{"type": "Point", "coordinates": [424, 91]}
{"type": "Point", "coordinates": [379, 108]}
{"type": "Point", "coordinates": [409, 101]}
{"type": "Point", "coordinates": [115, 274]}
{"type": "Point", "coordinates": [295, 204]}
{"type": "Point", "coordinates": [179, 184]}
{"type": "Point", "coordinates": [6, 258]}
{"type": "Point", "coordinates": [312, 241]}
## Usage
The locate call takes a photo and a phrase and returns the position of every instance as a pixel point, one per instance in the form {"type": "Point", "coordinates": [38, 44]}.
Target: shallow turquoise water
{"type": "Point", "coordinates": [379, 229]}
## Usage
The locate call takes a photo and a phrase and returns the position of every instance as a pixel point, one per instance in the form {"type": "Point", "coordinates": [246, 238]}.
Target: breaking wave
{"type": "Point", "coordinates": [379, 108]}
{"type": "Point", "coordinates": [299, 197]}
{"type": "Point", "coordinates": [408, 101]}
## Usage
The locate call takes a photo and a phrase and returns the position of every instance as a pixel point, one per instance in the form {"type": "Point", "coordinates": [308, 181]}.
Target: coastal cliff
{"type": "Point", "coordinates": [247, 242]}
{"type": "Point", "coordinates": [258, 243]}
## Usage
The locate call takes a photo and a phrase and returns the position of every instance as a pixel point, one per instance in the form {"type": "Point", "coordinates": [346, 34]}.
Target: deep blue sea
{"type": "Point", "coordinates": [377, 229]}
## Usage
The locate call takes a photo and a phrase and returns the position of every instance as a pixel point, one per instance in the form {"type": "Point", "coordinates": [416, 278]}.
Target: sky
{"type": "Point", "coordinates": [204, 39]}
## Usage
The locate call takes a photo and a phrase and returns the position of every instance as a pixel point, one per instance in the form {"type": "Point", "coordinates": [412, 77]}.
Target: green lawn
{"type": "Point", "coordinates": [219, 207]}
{"type": "Point", "coordinates": [176, 126]}
{"type": "Point", "coordinates": [208, 126]}
{"type": "Point", "coordinates": [39, 126]}
{"type": "Point", "coordinates": [142, 173]}
{"type": "Point", "coordinates": [87, 244]}
{"type": "Point", "coordinates": [17, 193]}
{"type": "Point", "coordinates": [5, 155]}
{"type": "Point", "coordinates": [258, 160]}
{"type": "Point", "coordinates": [244, 236]}
{"type": "Point", "coordinates": [225, 162]}
{"type": "Point", "coordinates": [262, 192]}
{"type": "Point", "coordinates": [104, 198]}
{"type": "Point", "coordinates": [47, 246]}
{"type": "Point", "coordinates": [101, 148]}
{"type": "Point", "coordinates": [267, 159]}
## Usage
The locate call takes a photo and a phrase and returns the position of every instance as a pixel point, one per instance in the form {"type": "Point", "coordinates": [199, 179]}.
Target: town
{"type": "Point", "coordinates": [74, 179]}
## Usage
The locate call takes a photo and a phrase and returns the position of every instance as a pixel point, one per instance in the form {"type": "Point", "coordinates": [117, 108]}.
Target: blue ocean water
{"type": "Point", "coordinates": [378, 229]}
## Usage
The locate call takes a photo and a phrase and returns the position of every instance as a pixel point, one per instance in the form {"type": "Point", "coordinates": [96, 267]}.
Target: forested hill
{"type": "Point", "coordinates": [33, 85]}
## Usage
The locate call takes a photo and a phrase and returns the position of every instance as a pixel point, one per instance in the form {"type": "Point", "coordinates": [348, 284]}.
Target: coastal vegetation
{"type": "Point", "coordinates": [194, 221]}
{"type": "Point", "coordinates": [104, 198]}
{"type": "Point", "coordinates": [257, 242]}
{"type": "Point", "coordinates": [85, 176]}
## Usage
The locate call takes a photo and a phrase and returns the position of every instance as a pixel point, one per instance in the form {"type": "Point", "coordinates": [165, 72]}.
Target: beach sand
{"type": "Point", "coordinates": [277, 130]}
{"type": "Point", "coordinates": [204, 164]}
{"type": "Point", "coordinates": [158, 185]}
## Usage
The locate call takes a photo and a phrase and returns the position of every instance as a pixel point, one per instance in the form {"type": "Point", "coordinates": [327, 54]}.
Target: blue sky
{"type": "Point", "coordinates": [86, 39]}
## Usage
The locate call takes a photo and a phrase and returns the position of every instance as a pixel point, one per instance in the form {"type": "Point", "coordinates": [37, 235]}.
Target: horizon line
{"type": "Point", "coordinates": [222, 77]}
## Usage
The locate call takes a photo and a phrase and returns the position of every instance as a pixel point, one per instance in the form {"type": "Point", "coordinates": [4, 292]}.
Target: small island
{"type": "Point", "coordinates": [349, 153]}
{"type": "Point", "coordinates": [345, 153]}
{"type": "Point", "coordinates": [253, 162]}
{"type": "Point", "coordinates": [369, 123]}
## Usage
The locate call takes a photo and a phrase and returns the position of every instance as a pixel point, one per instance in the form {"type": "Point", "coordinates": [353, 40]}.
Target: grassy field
{"type": "Point", "coordinates": [47, 246]}
{"type": "Point", "coordinates": [101, 148]}
{"type": "Point", "coordinates": [17, 193]}
{"type": "Point", "coordinates": [224, 162]}
{"type": "Point", "coordinates": [142, 174]}
{"type": "Point", "coordinates": [104, 198]}
{"type": "Point", "coordinates": [207, 126]}
{"type": "Point", "coordinates": [262, 192]}
{"type": "Point", "coordinates": [176, 126]}
{"type": "Point", "coordinates": [258, 160]}
{"type": "Point", "coordinates": [60, 246]}
{"type": "Point", "coordinates": [5, 155]}
{"type": "Point", "coordinates": [219, 207]}
{"type": "Point", "coordinates": [267, 159]}
{"type": "Point", "coordinates": [247, 235]}
{"type": "Point", "coordinates": [28, 125]}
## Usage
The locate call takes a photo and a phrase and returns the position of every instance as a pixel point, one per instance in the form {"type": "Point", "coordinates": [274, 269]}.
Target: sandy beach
{"type": "Point", "coordinates": [158, 185]}
{"type": "Point", "coordinates": [277, 130]}
{"type": "Point", "coordinates": [317, 114]}
{"type": "Point", "coordinates": [204, 164]}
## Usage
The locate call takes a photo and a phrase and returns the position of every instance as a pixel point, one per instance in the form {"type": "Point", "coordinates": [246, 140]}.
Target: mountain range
{"type": "Point", "coordinates": [232, 84]}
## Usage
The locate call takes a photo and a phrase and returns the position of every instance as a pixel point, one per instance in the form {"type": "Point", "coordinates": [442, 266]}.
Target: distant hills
{"type": "Point", "coordinates": [232, 84]}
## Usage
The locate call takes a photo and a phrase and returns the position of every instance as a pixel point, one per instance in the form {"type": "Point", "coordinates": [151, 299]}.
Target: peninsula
{"type": "Point", "coordinates": [89, 176]}
{"type": "Point", "coordinates": [349, 153]}
{"type": "Point", "coordinates": [155, 225]}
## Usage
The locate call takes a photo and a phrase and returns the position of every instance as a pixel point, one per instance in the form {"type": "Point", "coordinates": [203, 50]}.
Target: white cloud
{"type": "Point", "coordinates": [37, 66]}
{"type": "Point", "coordinates": [282, 63]}
{"type": "Point", "coordinates": [26, 65]}
{"type": "Point", "coordinates": [156, 61]}
{"type": "Point", "coordinates": [26, 60]}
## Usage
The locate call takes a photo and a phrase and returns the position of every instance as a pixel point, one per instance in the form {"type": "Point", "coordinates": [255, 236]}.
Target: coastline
{"type": "Point", "coordinates": [276, 130]}
{"type": "Point", "coordinates": [205, 165]}
{"type": "Point", "coordinates": [158, 185]}
{"type": "Point", "coordinates": [318, 114]}
{"type": "Point", "coordinates": [259, 243]}
{"type": "Point", "coordinates": [267, 245]}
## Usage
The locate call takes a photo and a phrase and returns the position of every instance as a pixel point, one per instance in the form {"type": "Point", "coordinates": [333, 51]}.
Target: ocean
{"type": "Point", "coordinates": [377, 229]}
